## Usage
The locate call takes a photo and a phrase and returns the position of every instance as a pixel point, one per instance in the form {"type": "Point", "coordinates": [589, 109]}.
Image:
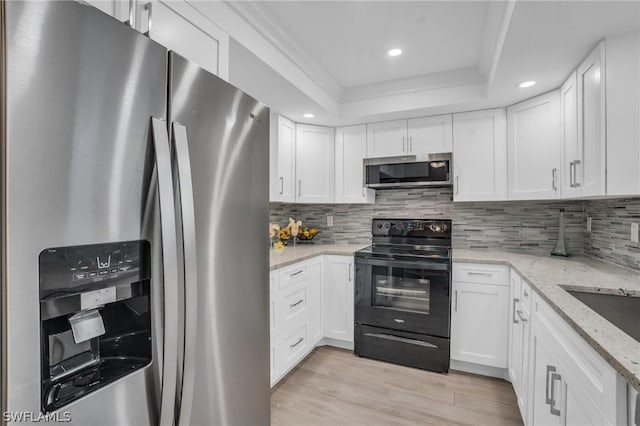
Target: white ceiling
{"type": "Point", "coordinates": [457, 55]}
{"type": "Point", "coordinates": [351, 39]}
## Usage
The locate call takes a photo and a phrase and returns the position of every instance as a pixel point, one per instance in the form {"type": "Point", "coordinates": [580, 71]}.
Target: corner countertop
{"type": "Point", "coordinates": [290, 255]}
{"type": "Point", "coordinates": [550, 276]}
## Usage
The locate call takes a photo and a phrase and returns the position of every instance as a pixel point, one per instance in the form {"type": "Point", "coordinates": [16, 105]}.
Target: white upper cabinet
{"type": "Point", "coordinates": [571, 153]}
{"type": "Point", "coordinates": [351, 149]}
{"type": "Point", "coordinates": [623, 110]}
{"type": "Point", "coordinates": [283, 157]}
{"type": "Point", "coordinates": [591, 123]}
{"type": "Point", "coordinates": [534, 148]}
{"type": "Point", "coordinates": [119, 9]}
{"type": "Point", "coordinates": [180, 27]}
{"type": "Point", "coordinates": [314, 164]}
{"type": "Point", "coordinates": [430, 135]}
{"type": "Point", "coordinates": [387, 139]}
{"type": "Point", "coordinates": [480, 156]}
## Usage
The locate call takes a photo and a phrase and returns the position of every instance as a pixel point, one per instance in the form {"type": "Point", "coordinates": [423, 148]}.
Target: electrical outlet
{"type": "Point", "coordinates": [634, 232]}
{"type": "Point", "coordinates": [329, 220]}
{"type": "Point", "coordinates": [588, 224]}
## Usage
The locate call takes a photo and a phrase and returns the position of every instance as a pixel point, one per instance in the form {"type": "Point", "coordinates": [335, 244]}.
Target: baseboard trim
{"type": "Point", "coordinates": [482, 370]}
{"type": "Point", "coordinates": [336, 343]}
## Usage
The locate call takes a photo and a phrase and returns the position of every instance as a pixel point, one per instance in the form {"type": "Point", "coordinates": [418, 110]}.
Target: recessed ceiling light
{"type": "Point", "coordinates": [309, 115]}
{"type": "Point", "coordinates": [526, 84]}
{"type": "Point", "coordinates": [395, 52]}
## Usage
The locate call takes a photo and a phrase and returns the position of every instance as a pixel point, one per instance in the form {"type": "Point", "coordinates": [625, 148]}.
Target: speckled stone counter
{"type": "Point", "coordinates": [549, 275]}
{"type": "Point", "coordinates": [290, 254]}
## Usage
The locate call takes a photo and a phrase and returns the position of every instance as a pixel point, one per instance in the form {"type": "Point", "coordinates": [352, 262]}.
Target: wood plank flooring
{"type": "Point", "coordinates": [335, 387]}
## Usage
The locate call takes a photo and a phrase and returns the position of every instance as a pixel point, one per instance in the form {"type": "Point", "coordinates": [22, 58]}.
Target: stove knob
{"type": "Point", "coordinates": [387, 225]}
{"type": "Point", "coordinates": [379, 225]}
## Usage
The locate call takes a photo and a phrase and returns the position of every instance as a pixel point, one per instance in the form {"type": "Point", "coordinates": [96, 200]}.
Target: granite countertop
{"type": "Point", "coordinates": [549, 276]}
{"type": "Point", "coordinates": [291, 255]}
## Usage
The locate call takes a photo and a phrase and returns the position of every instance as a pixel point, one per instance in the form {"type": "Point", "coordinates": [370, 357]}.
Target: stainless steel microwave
{"type": "Point", "coordinates": [408, 172]}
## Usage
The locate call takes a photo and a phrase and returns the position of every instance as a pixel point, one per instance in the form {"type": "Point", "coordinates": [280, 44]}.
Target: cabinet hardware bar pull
{"type": "Point", "coordinates": [132, 15]}
{"type": "Point", "coordinates": [456, 305]}
{"type": "Point", "coordinates": [522, 317]}
{"type": "Point", "coordinates": [149, 8]}
{"type": "Point", "coordinates": [300, 188]}
{"type": "Point", "coordinates": [457, 185]}
{"type": "Point", "coordinates": [515, 301]}
{"type": "Point", "coordinates": [482, 274]}
{"type": "Point", "coordinates": [547, 398]}
{"type": "Point", "coordinates": [296, 273]}
{"type": "Point", "coordinates": [293, 305]}
{"type": "Point", "coordinates": [297, 343]}
{"type": "Point", "coordinates": [552, 405]}
{"type": "Point", "coordinates": [403, 150]}
{"type": "Point", "coordinates": [575, 173]}
{"type": "Point", "coordinates": [553, 179]}
{"type": "Point", "coordinates": [571, 165]}
{"type": "Point", "coordinates": [350, 266]}
{"type": "Point", "coordinates": [281, 185]}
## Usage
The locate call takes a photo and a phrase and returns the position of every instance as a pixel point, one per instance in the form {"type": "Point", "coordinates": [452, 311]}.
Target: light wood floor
{"type": "Point", "coordinates": [335, 387]}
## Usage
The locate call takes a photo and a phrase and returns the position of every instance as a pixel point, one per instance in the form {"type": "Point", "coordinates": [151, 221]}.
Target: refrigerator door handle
{"type": "Point", "coordinates": [183, 175]}
{"type": "Point", "coordinates": [169, 270]}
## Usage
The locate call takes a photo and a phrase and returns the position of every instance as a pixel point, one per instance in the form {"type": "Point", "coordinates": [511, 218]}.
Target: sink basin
{"type": "Point", "coordinates": [621, 311]}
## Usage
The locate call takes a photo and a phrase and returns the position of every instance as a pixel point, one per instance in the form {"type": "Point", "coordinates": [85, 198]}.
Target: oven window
{"type": "Point", "coordinates": [401, 289]}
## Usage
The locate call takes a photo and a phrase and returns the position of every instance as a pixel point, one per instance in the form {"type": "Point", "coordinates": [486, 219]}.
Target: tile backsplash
{"type": "Point", "coordinates": [530, 226]}
{"type": "Point", "coordinates": [609, 238]}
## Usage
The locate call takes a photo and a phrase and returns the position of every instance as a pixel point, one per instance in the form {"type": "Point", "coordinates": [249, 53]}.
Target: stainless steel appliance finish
{"type": "Point", "coordinates": [226, 133]}
{"type": "Point", "coordinates": [87, 159]}
{"type": "Point", "coordinates": [408, 171]}
{"type": "Point", "coordinates": [621, 311]}
{"type": "Point", "coordinates": [403, 293]}
{"type": "Point", "coordinates": [81, 89]}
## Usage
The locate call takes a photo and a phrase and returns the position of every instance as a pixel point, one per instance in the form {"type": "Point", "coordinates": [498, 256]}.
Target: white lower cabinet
{"type": "Point", "coordinates": [310, 301]}
{"type": "Point", "coordinates": [519, 330]}
{"type": "Point", "coordinates": [569, 383]}
{"type": "Point", "coordinates": [338, 298]}
{"type": "Point", "coordinates": [479, 327]}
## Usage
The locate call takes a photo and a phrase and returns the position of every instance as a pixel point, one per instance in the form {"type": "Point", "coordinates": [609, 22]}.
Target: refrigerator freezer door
{"type": "Point", "coordinates": [228, 139]}
{"type": "Point", "coordinates": [81, 88]}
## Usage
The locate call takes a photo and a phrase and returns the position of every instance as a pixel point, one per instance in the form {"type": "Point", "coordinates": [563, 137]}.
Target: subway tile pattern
{"type": "Point", "coordinates": [609, 238]}
{"type": "Point", "coordinates": [519, 226]}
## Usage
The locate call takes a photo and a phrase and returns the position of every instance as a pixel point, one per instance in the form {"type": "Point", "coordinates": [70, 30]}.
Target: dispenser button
{"type": "Point", "coordinates": [93, 274]}
{"type": "Point", "coordinates": [79, 276]}
{"type": "Point", "coordinates": [114, 270]}
{"type": "Point", "coordinates": [125, 268]}
{"type": "Point", "coordinates": [104, 272]}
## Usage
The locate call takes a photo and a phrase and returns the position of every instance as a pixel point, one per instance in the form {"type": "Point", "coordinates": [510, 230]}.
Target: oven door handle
{"type": "Point", "coordinates": [401, 339]}
{"type": "Point", "coordinates": [426, 266]}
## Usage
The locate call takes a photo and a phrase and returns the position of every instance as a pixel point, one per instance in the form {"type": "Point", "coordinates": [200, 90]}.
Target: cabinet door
{"type": "Point", "coordinates": [284, 138]}
{"type": "Point", "coordinates": [351, 149]}
{"type": "Point", "coordinates": [479, 328]}
{"type": "Point", "coordinates": [119, 9]}
{"type": "Point", "coordinates": [338, 298]}
{"type": "Point", "coordinates": [515, 336]}
{"type": "Point", "coordinates": [387, 139]}
{"type": "Point", "coordinates": [591, 123]}
{"type": "Point", "coordinates": [430, 135]}
{"type": "Point", "coordinates": [534, 148]}
{"type": "Point", "coordinates": [480, 156]}
{"type": "Point", "coordinates": [181, 28]}
{"type": "Point", "coordinates": [571, 154]}
{"type": "Point", "coordinates": [314, 164]}
{"type": "Point", "coordinates": [543, 374]}
{"type": "Point", "coordinates": [314, 289]}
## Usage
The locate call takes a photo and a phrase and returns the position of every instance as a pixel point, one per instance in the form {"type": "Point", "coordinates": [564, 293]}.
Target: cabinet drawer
{"type": "Point", "coordinates": [293, 274]}
{"type": "Point", "coordinates": [481, 274]}
{"type": "Point", "coordinates": [293, 347]}
{"type": "Point", "coordinates": [293, 306]}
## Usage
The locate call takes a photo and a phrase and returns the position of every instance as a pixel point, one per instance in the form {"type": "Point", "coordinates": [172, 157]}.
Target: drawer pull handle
{"type": "Point", "coordinates": [482, 274]}
{"type": "Point", "coordinates": [550, 369]}
{"type": "Point", "coordinates": [401, 339]}
{"type": "Point", "coordinates": [552, 406]}
{"type": "Point", "coordinates": [293, 305]}
{"type": "Point", "coordinates": [297, 273]}
{"type": "Point", "coordinates": [297, 343]}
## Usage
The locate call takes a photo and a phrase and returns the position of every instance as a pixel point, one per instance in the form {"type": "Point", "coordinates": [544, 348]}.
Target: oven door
{"type": "Point", "coordinates": [403, 295]}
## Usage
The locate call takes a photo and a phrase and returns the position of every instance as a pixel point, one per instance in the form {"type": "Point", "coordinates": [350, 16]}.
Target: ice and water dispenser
{"type": "Point", "coordinates": [95, 317]}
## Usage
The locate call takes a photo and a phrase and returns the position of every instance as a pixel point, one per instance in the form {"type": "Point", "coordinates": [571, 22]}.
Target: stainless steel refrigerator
{"type": "Point", "coordinates": [134, 204]}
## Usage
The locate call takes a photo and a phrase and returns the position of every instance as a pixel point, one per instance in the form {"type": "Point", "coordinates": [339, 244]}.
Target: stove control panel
{"type": "Point", "coordinates": [412, 228]}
